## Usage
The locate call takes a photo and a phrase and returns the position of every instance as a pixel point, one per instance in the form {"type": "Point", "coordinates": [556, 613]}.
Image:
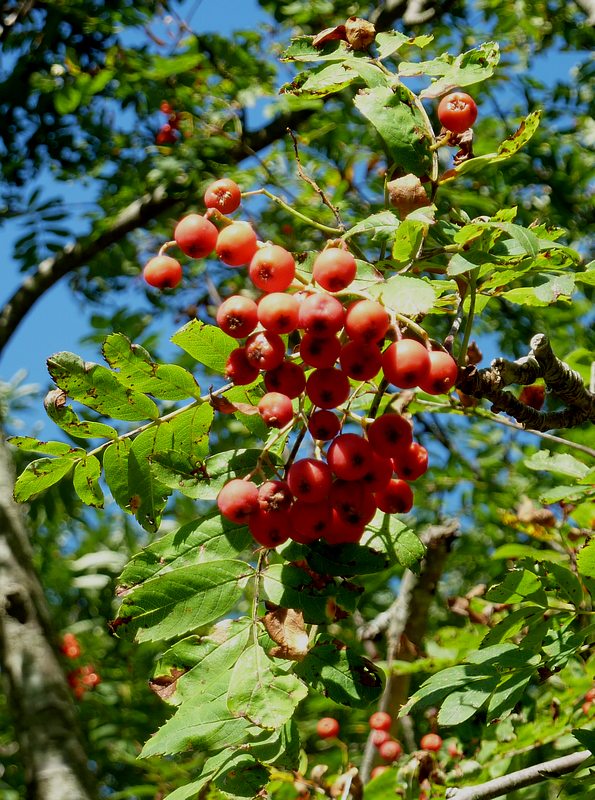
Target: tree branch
{"type": "Point", "coordinates": [520, 779]}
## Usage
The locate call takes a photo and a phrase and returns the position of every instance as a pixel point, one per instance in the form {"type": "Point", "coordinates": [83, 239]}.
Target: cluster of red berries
{"type": "Point", "coordinates": [70, 646]}
{"type": "Point", "coordinates": [389, 749]}
{"type": "Point", "coordinates": [82, 679]}
{"type": "Point", "coordinates": [168, 133]}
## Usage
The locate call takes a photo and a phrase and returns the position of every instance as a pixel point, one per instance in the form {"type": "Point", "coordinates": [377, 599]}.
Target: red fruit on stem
{"type": "Point", "coordinates": [442, 374]}
{"type": "Point", "coordinates": [590, 694]}
{"type": "Point", "coordinates": [272, 268]}
{"type": "Point", "coordinates": [288, 378]}
{"type": "Point", "coordinates": [367, 320]}
{"type": "Point", "coordinates": [324, 425]}
{"type": "Point", "coordinates": [238, 500]}
{"type": "Point", "coordinates": [310, 480]}
{"type": "Point", "coordinates": [162, 272]}
{"type": "Point", "coordinates": [379, 737]}
{"type": "Point", "coordinates": [310, 521]}
{"type": "Point", "coordinates": [353, 502]}
{"type": "Point", "coordinates": [379, 474]}
{"type": "Point", "coordinates": [389, 434]}
{"type": "Point", "coordinates": [166, 107]}
{"type": "Point", "coordinates": [237, 316]}
{"type": "Point", "coordinates": [327, 387]}
{"type": "Point", "coordinates": [275, 409]}
{"type": "Point", "coordinates": [412, 463]}
{"type": "Point", "coordinates": [405, 363]}
{"type": "Point", "coordinates": [457, 112]}
{"type": "Point", "coordinates": [278, 312]}
{"type": "Point", "coordinates": [196, 236]}
{"type": "Point", "coordinates": [321, 314]}
{"type": "Point", "coordinates": [378, 771]}
{"type": "Point", "coordinates": [275, 496]}
{"type": "Point", "coordinates": [327, 728]}
{"type": "Point", "coordinates": [342, 531]}
{"type": "Point", "coordinates": [380, 721]}
{"type": "Point", "coordinates": [319, 351]}
{"type": "Point", "coordinates": [265, 350]}
{"type": "Point", "coordinates": [224, 195]}
{"type": "Point", "coordinates": [270, 528]}
{"type": "Point", "coordinates": [334, 269]}
{"type": "Point", "coordinates": [395, 498]}
{"type": "Point", "coordinates": [431, 742]}
{"type": "Point", "coordinates": [350, 456]}
{"type": "Point", "coordinates": [238, 369]}
{"type": "Point", "coordinates": [360, 361]}
{"type": "Point", "coordinates": [236, 244]}
{"type": "Point", "coordinates": [390, 750]}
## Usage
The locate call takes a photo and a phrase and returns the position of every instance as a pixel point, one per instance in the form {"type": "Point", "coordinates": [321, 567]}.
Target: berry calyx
{"type": "Point", "coordinates": [237, 316]}
{"type": "Point", "coordinates": [196, 236]}
{"type": "Point", "coordinates": [274, 496]}
{"type": "Point", "coordinates": [272, 268]}
{"type": "Point", "coordinates": [327, 728]}
{"type": "Point", "coordinates": [431, 742]}
{"type": "Point", "coordinates": [162, 272]}
{"type": "Point", "coordinates": [265, 350]}
{"type": "Point", "coordinates": [457, 112]}
{"type": "Point", "coordinates": [224, 195]}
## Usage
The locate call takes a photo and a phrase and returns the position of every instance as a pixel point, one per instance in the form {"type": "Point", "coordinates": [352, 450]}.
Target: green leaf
{"type": "Point", "coordinates": [115, 468]}
{"type": "Point", "coordinates": [519, 586]}
{"type": "Point", "coordinates": [585, 737]}
{"type": "Point", "coordinates": [512, 624]}
{"type": "Point", "coordinates": [461, 706]}
{"type": "Point", "coordinates": [302, 49]}
{"type": "Point", "coordinates": [508, 693]}
{"type": "Point", "coordinates": [138, 371]}
{"type": "Point", "coordinates": [320, 82]}
{"type": "Point", "coordinates": [567, 582]}
{"type": "Point", "coordinates": [86, 481]}
{"type": "Point", "coordinates": [67, 99]}
{"type": "Point", "coordinates": [257, 693]}
{"type": "Point", "coordinates": [439, 686]}
{"type": "Point", "coordinates": [380, 226]}
{"type": "Point", "coordinates": [182, 600]}
{"type": "Point", "coordinates": [558, 463]}
{"type": "Point", "coordinates": [465, 69]}
{"type": "Point", "coordinates": [408, 296]}
{"type": "Point", "coordinates": [400, 125]}
{"type": "Point", "coordinates": [516, 550]}
{"type": "Point", "coordinates": [388, 42]}
{"type": "Point", "coordinates": [65, 417]}
{"type": "Point", "coordinates": [209, 538]}
{"type": "Point", "coordinates": [39, 475]}
{"type": "Point", "coordinates": [243, 776]}
{"type": "Point", "coordinates": [147, 494]}
{"type": "Point", "coordinates": [346, 560]}
{"type": "Point", "coordinates": [98, 388]}
{"type": "Point", "coordinates": [207, 344]}
{"type": "Point", "coordinates": [567, 493]}
{"type": "Point", "coordinates": [31, 445]}
{"type": "Point", "coordinates": [585, 560]}
{"type": "Point", "coordinates": [389, 534]}
{"type": "Point", "coordinates": [341, 674]}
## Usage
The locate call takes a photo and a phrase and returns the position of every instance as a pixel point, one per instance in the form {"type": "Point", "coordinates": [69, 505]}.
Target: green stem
{"type": "Point", "coordinates": [470, 316]}
{"type": "Point", "coordinates": [294, 212]}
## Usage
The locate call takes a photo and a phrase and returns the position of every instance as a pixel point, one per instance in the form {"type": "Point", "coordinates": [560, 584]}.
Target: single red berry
{"type": "Point", "coordinates": [324, 425]}
{"type": "Point", "coordinates": [379, 737]}
{"type": "Point", "coordinates": [457, 112]}
{"type": "Point", "coordinates": [431, 742]}
{"type": "Point", "coordinates": [380, 721]}
{"type": "Point", "coordinates": [321, 314]}
{"type": "Point", "coordinates": [70, 646]}
{"type": "Point", "coordinates": [275, 409]}
{"type": "Point", "coordinates": [196, 236]}
{"type": "Point", "coordinates": [238, 369]}
{"type": "Point", "coordinates": [360, 361]}
{"type": "Point", "coordinates": [236, 244]}
{"type": "Point", "coordinates": [412, 463]}
{"type": "Point", "coordinates": [342, 531]}
{"type": "Point", "coordinates": [309, 480]}
{"type": "Point", "coordinates": [166, 135]}
{"type": "Point", "coordinates": [91, 678]}
{"type": "Point", "coordinates": [379, 474]}
{"type": "Point", "coordinates": [395, 498]}
{"type": "Point", "coordinates": [163, 272]}
{"type": "Point", "coordinates": [590, 695]}
{"type": "Point", "coordinates": [224, 195]}
{"type": "Point", "coordinates": [288, 378]}
{"type": "Point", "coordinates": [405, 363]}
{"type": "Point", "coordinates": [270, 528]}
{"type": "Point", "coordinates": [350, 456]}
{"type": "Point", "coordinates": [327, 728]}
{"type": "Point", "coordinates": [453, 750]}
{"type": "Point", "coordinates": [353, 501]}
{"type": "Point", "coordinates": [265, 350]}
{"type": "Point", "coordinates": [238, 500]}
{"type": "Point", "coordinates": [334, 269]}
{"type": "Point", "coordinates": [390, 750]}
{"type": "Point", "coordinates": [237, 316]}
{"type": "Point", "coordinates": [275, 496]}
{"type": "Point", "coordinates": [319, 351]}
{"type": "Point", "coordinates": [166, 107]}
{"type": "Point", "coordinates": [367, 320]}
{"type": "Point", "coordinates": [389, 434]}
{"type": "Point", "coordinates": [310, 521]}
{"type": "Point", "coordinates": [278, 312]}
{"type": "Point", "coordinates": [272, 268]}
{"type": "Point", "coordinates": [442, 374]}
{"type": "Point", "coordinates": [586, 706]}
{"type": "Point", "coordinates": [327, 387]}
{"type": "Point", "coordinates": [378, 771]}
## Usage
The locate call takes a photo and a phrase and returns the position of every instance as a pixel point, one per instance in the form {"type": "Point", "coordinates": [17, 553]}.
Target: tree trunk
{"type": "Point", "coordinates": [53, 757]}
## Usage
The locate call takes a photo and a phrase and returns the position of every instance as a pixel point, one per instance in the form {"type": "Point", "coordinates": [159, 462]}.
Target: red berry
{"type": "Point", "coordinates": [378, 771]}
{"type": "Point", "coordinates": [342, 531]}
{"type": "Point", "coordinates": [380, 721]}
{"type": "Point", "coordinates": [442, 374]}
{"type": "Point", "coordinates": [405, 363]}
{"type": "Point", "coordinates": [360, 361]}
{"type": "Point", "coordinates": [236, 244]}
{"type": "Point", "coordinates": [238, 369]}
{"type": "Point", "coordinates": [327, 728]}
{"type": "Point", "coordinates": [389, 434]}
{"type": "Point", "coordinates": [586, 706]}
{"type": "Point", "coordinates": [412, 463]}
{"type": "Point", "coordinates": [353, 502]}
{"type": "Point", "coordinates": [324, 425]}
{"type": "Point", "coordinates": [457, 112]}
{"type": "Point", "coordinates": [379, 474]}
{"type": "Point", "coordinates": [275, 496]}
{"type": "Point", "coordinates": [278, 312]}
{"type": "Point", "coordinates": [238, 500]}
{"type": "Point", "coordinates": [319, 351]}
{"type": "Point", "coordinates": [310, 521]}
{"type": "Point", "coordinates": [350, 456]}
{"type": "Point", "coordinates": [309, 480]}
{"type": "Point", "coordinates": [265, 350]}
{"type": "Point", "coordinates": [288, 378]}
{"type": "Point", "coordinates": [334, 269]}
{"type": "Point", "coordinates": [590, 695]}
{"type": "Point", "coordinates": [237, 316]}
{"type": "Point", "coordinates": [162, 272]}
{"type": "Point", "coordinates": [166, 107]}
{"type": "Point", "coordinates": [272, 268]}
{"type": "Point", "coordinates": [321, 314]}
{"type": "Point", "coordinates": [431, 742]}
{"type": "Point", "coordinates": [166, 135]}
{"type": "Point", "coordinates": [275, 409]}
{"type": "Point", "coordinates": [90, 678]}
{"type": "Point", "coordinates": [270, 528]}
{"type": "Point", "coordinates": [390, 750]}
{"type": "Point", "coordinates": [367, 320]}
{"type": "Point", "coordinates": [224, 195]}
{"type": "Point", "coordinates": [453, 751]}
{"type": "Point", "coordinates": [379, 737]}
{"type": "Point", "coordinates": [327, 387]}
{"type": "Point", "coordinates": [196, 236]}
{"type": "Point", "coordinates": [70, 646]}
{"type": "Point", "coordinates": [395, 498]}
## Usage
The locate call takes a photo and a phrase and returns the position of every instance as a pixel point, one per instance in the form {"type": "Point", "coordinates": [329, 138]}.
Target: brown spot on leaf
{"type": "Point", "coordinates": [286, 627]}
{"type": "Point", "coordinates": [164, 686]}
{"type": "Point", "coordinates": [329, 35]}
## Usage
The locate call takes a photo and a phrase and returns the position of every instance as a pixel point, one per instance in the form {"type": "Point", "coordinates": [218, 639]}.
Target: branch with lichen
{"type": "Point", "coordinates": [541, 362]}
